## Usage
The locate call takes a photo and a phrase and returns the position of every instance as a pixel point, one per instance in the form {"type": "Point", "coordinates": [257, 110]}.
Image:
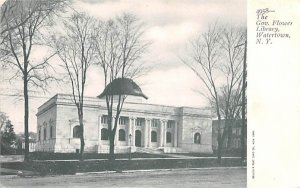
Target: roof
{"type": "Point", "coordinates": [122, 86]}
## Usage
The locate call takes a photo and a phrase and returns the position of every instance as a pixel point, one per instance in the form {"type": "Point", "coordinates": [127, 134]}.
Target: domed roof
{"type": "Point", "coordinates": [122, 86]}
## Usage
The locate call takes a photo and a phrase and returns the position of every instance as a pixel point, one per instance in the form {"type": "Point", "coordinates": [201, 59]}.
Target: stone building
{"type": "Point", "coordinates": [142, 127]}
{"type": "Point", "coordinates": [232, 141]}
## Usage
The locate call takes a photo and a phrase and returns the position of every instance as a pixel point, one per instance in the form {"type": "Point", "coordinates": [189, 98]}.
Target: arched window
{"type": "Point", "coordinates": [45, 133]}
{"type": "Point", "coordinates": [121, 135]}
{"type": "Point", "coordinates": [76, 132]}
{"type": "Point", "coordinates": [104, 134]}
{"type": "Point", "coordinates": [153, 136]}
{"type": "Point", "coordinates": [197, 138]}
{"type": "Point", "coordinates": [169, 137]}
{"type": "Point", "coordinates": [51, 131]}
{"type": "Point", "coordinates": [39, 134]}
{"type": "Point", "coordinates": [51, 124]}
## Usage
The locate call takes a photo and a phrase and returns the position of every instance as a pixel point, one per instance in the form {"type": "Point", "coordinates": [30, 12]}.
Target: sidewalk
{"type": "Point", "coordinates": [20, 158]}
{"type": "Point", "coordinates": [21, 173]}
{"type": "Point", "coordinates": [160, 170]}
{"type": "Point", "coordinates": [11, 158]}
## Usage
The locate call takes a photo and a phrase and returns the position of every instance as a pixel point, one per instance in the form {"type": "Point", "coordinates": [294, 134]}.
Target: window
{"type": "Point", "coordinates": [39, 134]}
{"type": "Point", "coordinates": [153, 136]}
{"type": "Point", "coordinates": [51, 123]}
{"type": "Point", "coordinates": [169, 137]}
{"type": "Point", "coordinates": [155, 123]}
{"type": "Point", "coordinates": [76, 132]}
{"type": "Point", "coordinates": [45, 133]}
{"type": "Point", "coordinates": [121, 135]}
{"type": "Point", "coordinates": [104, 134]}
{"type": "Point", "coordinates": [51, 131]}
{"type": "Point", "coordinates": [123, 120]}
{"type": "Point", "coordinates": [170, 123]}
{"type": "Point", "coordinates": [197, 138]}
{"type": "Point", "coordinates": [239, 131]}
{"type": "Point", "coordinates": [138, 122]}
{"type": "Point", "coordinates": [104, 119]}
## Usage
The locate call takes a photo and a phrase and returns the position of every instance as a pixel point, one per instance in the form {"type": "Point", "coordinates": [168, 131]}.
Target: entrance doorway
{"type": "Point", "coordinates": [138, 138]}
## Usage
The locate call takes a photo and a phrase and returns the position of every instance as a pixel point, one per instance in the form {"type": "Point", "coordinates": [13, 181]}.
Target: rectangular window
{"type": "Point", "coordinates": [138, 122]}
{"type": "Point", "coordinates": [104, 119]}
{"type": "Point", "coordinates": [155, 123]}
{"type": "Point", "coordinates": [239, 131]}
{"type": "Point", "coordinates": [234, 131]}
{"type": "Point", "coordinates": [123, 120]}
{"type": "Point", "coordinates": [170, 124]}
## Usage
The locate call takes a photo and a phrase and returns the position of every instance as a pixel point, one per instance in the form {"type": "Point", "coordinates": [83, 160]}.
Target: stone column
{"type": "Point", "coordinates": [161, 133]}
{"type": "Point", "coordinates": [149, 131]}
{"type": "Point", "coordinates": [99, 129]}
{"type": "Point", "coordinates": [175, 134]}
{"type": "Point", "coordinates": [146, 127]}
{"type": "Point", "coordinates": [164, 133]}
{"type": "Point", "coordinates": [132, 122]}
{"type": "Point", "coordinates": [129, 131]}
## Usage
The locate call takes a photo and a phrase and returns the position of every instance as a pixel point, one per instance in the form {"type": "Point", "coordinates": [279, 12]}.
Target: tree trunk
{"type": "Point", "coordinates": [26, 115]}
{"type": "Point", "coordinates": [244, 105]}
{"type": "Point", "coordinates": [112, 146]}
{"type": "Point", "coordinates": [219, 138]}
{"type": "Point", "coordinates": [219, 147]}
{"type": "Point", "coordinates": [82, 144]}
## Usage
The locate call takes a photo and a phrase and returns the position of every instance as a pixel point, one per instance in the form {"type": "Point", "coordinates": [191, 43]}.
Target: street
{"type": "Point", "coordinates": [206, 178]}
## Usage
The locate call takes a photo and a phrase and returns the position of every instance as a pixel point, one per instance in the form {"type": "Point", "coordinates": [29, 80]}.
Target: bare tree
{"type": "Point", "coordinates": [119, 44]}
{"type": "Point", "coordinates": [218, 64]}
{"type": "Point", "coordinates": [3, 119]}
{"type": "Point", "coordinates": [25, 23]}
{"type": "Point", "coordinates": [76, 50]}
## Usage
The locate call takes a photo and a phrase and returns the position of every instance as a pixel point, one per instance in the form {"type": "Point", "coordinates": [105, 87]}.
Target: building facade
{"type": "Point", "coordinates": [233, 139]}
{"type": "Point", "coordinates": [141, 127]}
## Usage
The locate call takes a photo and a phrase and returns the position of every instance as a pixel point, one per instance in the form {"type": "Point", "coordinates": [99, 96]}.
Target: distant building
{"type": "Point", "coordinates": [232, 141]}
{"type": "Point", "coordinates": [32, 143]}
{"type": "Point", "coordinates": [152, 127]}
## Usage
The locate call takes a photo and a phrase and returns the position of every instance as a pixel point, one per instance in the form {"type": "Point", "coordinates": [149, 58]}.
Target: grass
{"type": "Point", "coordinates": [41, 164]}
{"type": "Point", "coordinates": [224, 154]}
{"type": "Point", "coordinates": [72, 167]}
{"type": "Point", "coordinates": [74, 156]}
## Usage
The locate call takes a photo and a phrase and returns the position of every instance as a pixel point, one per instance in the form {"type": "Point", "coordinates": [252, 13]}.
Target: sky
{"type": "Point", "coordinates": [169, 25]}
